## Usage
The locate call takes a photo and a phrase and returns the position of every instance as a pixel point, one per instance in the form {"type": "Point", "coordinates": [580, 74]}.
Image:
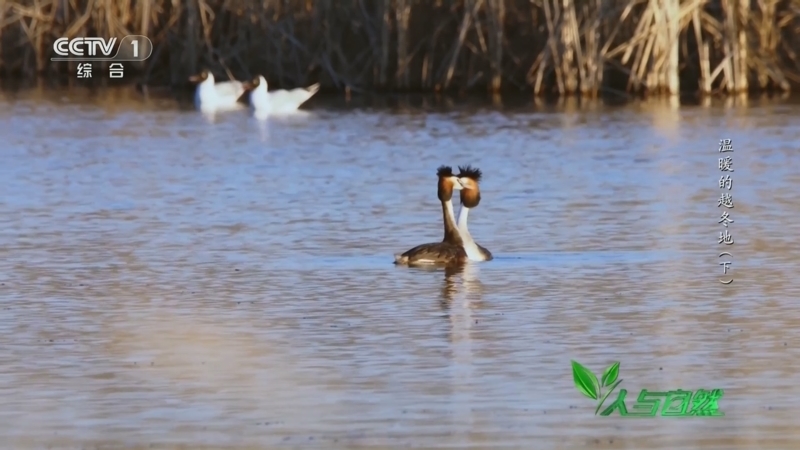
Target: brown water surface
{"type": "Point", "coordinates": [169, 280]}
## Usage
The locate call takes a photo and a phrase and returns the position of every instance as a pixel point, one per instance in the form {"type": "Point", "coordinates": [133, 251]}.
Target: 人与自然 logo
{"type": "Point", "coordinates": [676, 403]}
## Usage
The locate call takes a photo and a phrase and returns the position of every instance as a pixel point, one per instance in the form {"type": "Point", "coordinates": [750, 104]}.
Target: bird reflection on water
{"type": "Point", "coordinates": [464, 280]}
{"type": "Point", "coordinates": [462, 295]}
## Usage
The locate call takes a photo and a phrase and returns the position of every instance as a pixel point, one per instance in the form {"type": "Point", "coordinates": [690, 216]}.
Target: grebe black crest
{"type": "Point", "coordinates": [444, 171]}
{"type": "Point", "coordinates": [470, 172]}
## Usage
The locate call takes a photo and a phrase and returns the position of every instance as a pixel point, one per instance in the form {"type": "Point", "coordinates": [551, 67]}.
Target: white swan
{"type": "Point", "coordinates": [280, 101]}
{"type": "Point", "coordinates": [211, 96]}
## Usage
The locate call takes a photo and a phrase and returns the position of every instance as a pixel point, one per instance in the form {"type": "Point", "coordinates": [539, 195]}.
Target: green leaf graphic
{"type": "Point", "coordinates": [585, 381]}
{"type": "Point", "coordinates": [611, 374]}
{"type": "Point", "coordinates": [606, 396]}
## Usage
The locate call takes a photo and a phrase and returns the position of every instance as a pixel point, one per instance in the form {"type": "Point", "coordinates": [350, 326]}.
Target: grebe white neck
{"type": "Point", "coordinates": [473, 252]}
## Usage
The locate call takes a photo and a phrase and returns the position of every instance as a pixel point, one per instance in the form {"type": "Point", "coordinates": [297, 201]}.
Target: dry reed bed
{"type": "Point", "coordinates": [566, 46]}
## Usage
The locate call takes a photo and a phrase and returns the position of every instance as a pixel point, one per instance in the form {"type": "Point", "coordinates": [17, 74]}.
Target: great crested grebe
{"type": "Point", "coordinates": [280, 101]}
{"type": "Point", "coordinates": [470, 177]}
{"type": "Point", "coordinates": [451, 250]}
{"type": "Point", "coordinates": [211, 96]}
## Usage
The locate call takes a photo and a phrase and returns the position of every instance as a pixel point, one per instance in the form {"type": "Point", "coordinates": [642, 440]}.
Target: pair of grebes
{"type": "Point", "coordinates": [457, 247]}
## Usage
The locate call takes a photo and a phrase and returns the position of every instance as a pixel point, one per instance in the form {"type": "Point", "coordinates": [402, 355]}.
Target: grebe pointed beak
{"type": "Point", "coordinates": [466, 183]}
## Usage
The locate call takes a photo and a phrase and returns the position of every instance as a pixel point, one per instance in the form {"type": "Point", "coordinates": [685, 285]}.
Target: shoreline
{"type": "Point", "coordinates": [14, 84]}
{"type": "Point", "coordinates": [121, 93]}
{"type": "Point", "coordinates": [549, 47]}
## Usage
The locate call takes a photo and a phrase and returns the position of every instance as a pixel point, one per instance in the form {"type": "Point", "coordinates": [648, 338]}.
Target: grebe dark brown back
{"type": "Point", "coordinates": [470, 177]}
{"type": "Point", "coordinates": [451, 250]}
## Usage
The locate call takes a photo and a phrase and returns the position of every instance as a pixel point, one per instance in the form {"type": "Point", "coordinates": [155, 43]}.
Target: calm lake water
{"type": "Point", "coordinates": [168, 280]}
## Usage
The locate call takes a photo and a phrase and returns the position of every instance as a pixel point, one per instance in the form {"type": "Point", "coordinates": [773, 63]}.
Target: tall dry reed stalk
{"type": "Point", "coordinates": [563, 46]}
